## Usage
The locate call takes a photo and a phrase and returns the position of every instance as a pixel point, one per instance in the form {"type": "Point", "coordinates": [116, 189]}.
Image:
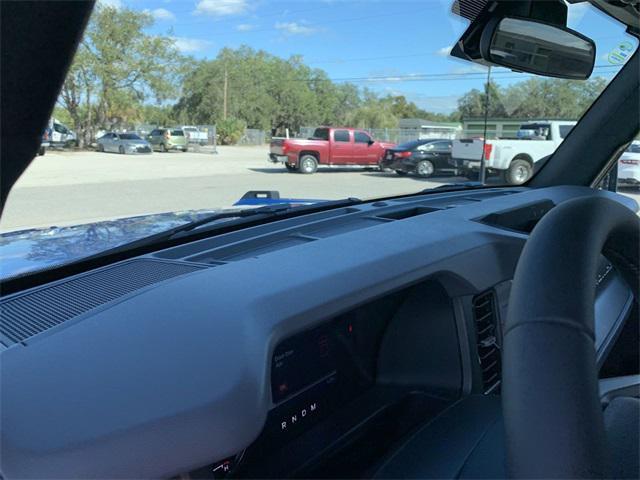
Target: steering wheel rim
{"type": "Point", "coordinates": [554, 426]}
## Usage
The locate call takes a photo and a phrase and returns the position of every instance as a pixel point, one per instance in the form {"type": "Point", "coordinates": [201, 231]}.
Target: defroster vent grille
{"type": "Point", "coordinates": [34, 312]}
{"type": "Point", "coordinates": [489, 357]}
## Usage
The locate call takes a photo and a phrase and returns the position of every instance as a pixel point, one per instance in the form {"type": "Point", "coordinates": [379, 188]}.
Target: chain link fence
{"type": "Point", "coordinates": [252, 136]}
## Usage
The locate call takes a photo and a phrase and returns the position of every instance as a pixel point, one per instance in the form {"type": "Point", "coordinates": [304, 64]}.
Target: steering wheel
{"type": "Point", "coordinates": [554, 425]}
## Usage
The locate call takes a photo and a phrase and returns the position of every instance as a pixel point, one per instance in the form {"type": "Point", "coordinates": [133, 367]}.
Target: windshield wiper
{"type": "Point", "coordinates": [253, 214]}
{"type": "Point", "coordinates": [456, 186]}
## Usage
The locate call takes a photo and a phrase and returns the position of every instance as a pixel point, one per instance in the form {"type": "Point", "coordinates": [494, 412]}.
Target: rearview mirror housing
{"type": "Point", "coordinates": [532, 46]}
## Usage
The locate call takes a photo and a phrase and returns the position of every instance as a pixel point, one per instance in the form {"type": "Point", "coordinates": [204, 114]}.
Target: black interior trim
{"type": "Point", "coordinates": [39, 39]}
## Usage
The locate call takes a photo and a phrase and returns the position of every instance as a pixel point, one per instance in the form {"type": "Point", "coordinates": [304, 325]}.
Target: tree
{"type": "Point", "coordinates": [117, 69]}
{"type": "Point", "coordinates": [473, 103]}
{"type": "Point", "coordinates": [534, 98]}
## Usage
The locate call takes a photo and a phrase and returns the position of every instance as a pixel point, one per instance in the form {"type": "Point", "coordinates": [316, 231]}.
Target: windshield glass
{"type": "Point", "coordinates": [259, 84]}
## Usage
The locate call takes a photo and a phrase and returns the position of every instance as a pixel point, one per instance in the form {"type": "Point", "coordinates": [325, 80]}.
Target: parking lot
{"type": "Point", "coordinates": [65, 188]}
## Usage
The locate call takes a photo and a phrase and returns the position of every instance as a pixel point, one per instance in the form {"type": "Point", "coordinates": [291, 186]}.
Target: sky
{"type": "Point", "coordinates": [374, 43]}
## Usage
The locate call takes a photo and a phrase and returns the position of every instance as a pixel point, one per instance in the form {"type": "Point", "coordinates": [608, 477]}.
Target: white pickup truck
{"type": "Point", "coordinates": [195, 135]}
{"type": "Point", "coordinates": [513, 158]}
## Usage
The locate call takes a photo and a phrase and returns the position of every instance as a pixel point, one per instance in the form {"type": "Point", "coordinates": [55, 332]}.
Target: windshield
{"type": "Point", "coordinates": [259, 83]}
{"type": "Point", "coordinates": [129, 136]}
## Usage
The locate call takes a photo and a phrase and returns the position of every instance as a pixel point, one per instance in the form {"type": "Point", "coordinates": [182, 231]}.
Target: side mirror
{"type": "Point", "coordinates": [535, 47]}
{"type": "Point", "coordinates": [371, 142]}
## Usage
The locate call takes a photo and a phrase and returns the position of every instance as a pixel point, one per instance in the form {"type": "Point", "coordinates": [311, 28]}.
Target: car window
{"type": "Point", "coordinates": [129, 136]}
{"type": "Point", "coordinates": [564, 130]}
{"type": "Point", "coordinates": [410, 145]}
{"type": "Point", "coordinates": [321, 134]}
{"type": "Point", "coordinates": [442, 146]}
{"type": "Point", "coordinates": [341, 136]}
{"type": "Point", "coordinates": [251, 83]}
{"type": "Point", "coordinates": [361, 137]}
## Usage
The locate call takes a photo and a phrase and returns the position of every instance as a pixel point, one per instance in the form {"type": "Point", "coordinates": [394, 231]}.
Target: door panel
{"type": "Point", "coordinates": [365, 153]}
{"type": "Point", "coordinates": [342, 148]}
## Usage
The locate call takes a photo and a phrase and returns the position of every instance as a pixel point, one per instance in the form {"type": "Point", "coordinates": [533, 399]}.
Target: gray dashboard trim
{"type": "Point", "coordinates": [177, 375]}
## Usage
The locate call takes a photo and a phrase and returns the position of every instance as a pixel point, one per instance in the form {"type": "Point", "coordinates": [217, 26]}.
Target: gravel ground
{"type": "Point", "coordinates": [65, 188]}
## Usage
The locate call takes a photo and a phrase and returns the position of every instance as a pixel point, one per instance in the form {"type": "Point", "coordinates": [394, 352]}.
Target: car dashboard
{"type": "Point", "coordinates": [307, 347]}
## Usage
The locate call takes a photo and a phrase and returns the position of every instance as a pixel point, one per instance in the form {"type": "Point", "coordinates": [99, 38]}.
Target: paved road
{"type": "Point", "coordinates": [64, 188]}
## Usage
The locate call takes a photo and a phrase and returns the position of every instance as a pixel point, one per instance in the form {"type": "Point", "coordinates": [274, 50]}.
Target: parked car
{"type": "Point", "coordinates": [328, 146]}
{"type": "Point", "coordinates": [123, 143]}
{"type": "Point", "coordinates": [512, 158]}
{"type": "Point", "coordinates": [46, 141]}
{"type": "Point", "coordinates": [195, 135]}
{"type": "Point", "coordinates": [166, 139]}
{"type": "Point", "coordinates": [419, 157]}
{"type": "Point", "coordinates": [629, 166]}
{"type": "Point", "coordinates": [60, 134]}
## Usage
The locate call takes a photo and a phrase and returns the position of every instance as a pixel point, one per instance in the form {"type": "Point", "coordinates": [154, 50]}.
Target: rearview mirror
{"type": "Point", "coordinates": [536, 47]}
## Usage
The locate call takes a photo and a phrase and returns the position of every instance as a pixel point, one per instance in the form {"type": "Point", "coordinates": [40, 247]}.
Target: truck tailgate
{"type": "Point", "coordinates": [470, 149]}
{"type": "Point", "coordinates": [276, 146]}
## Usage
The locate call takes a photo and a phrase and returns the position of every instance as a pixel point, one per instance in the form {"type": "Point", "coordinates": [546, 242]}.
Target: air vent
{"type": "Point", "coordinates": [26, 315]}
{"type": "Point", "coordinates": [488, 343]}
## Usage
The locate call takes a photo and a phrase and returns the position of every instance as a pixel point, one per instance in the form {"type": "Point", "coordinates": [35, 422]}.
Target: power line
{"type": "Point", "coordinates": [432, 76]}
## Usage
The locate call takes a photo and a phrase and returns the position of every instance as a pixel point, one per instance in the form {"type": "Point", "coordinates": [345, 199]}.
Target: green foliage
{"type": "Point", "coordinates": [230, 130]}
{"type": "Point", "coordinates": [117, 69]}
{"type": "Point", "coordinates": [122, 75]}
{"type": "Point", "coordinates": [275, 94]}
{"type": "Point", "coordinates": [533, 98]}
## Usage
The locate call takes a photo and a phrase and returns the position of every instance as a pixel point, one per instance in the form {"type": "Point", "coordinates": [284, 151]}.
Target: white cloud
{"type": "Point", "coordinates": [444, 51]}
{"type": "Point", "coordinates": [245, 27]}
{"type": "Point", "coordinates": [189, 45]}
{"type": "Point", "coordinates": [294, 28]}
{"type": "Point", "coordinates": [117, 4]}
{"type": "Point", "coordinates": [220, 8]}
{"type": "Point", "coordinates": [161, 14]}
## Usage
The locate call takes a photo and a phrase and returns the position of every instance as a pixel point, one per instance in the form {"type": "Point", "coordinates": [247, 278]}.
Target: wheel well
{"type": "Point", "coordinates": [309, 152]}
{"type": "Point", "coordinates": [522, 156]}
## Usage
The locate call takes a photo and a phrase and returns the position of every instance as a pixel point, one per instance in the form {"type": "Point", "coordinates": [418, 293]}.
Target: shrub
{"type": "Point", "coordinates": [230, 130]}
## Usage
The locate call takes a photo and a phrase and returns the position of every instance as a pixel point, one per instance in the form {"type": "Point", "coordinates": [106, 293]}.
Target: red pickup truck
{"type": "Point", "coordinates": [328, 146]}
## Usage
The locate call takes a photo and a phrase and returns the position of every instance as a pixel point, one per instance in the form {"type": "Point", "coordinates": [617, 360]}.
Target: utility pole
{"type": "Point", "coordinates": [226, 85]}
{"type": "Point", "coordinates": [483, 168]}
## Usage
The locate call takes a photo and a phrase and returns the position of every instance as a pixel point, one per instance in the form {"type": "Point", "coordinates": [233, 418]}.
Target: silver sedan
{"type": "Point", "coordinates": [123, 143]}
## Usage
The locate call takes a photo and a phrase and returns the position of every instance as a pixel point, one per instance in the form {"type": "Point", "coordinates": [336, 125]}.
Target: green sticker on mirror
{"type": "Point", "coordinates": [621, 53]}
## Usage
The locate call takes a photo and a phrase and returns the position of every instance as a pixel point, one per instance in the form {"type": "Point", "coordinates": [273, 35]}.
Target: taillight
{"type": "Point", "coordinates": [487, 150]}
{"type": "Point", "coordinates": [46, 135]}
{"type": "Point", "coordinates": [630, 161]}
{"type": "Point", "coordinates": [403, 154]}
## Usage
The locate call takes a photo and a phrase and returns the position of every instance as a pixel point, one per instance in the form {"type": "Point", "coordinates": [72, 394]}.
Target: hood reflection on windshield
{"type": "Point", "coordinates": [35, 249]}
